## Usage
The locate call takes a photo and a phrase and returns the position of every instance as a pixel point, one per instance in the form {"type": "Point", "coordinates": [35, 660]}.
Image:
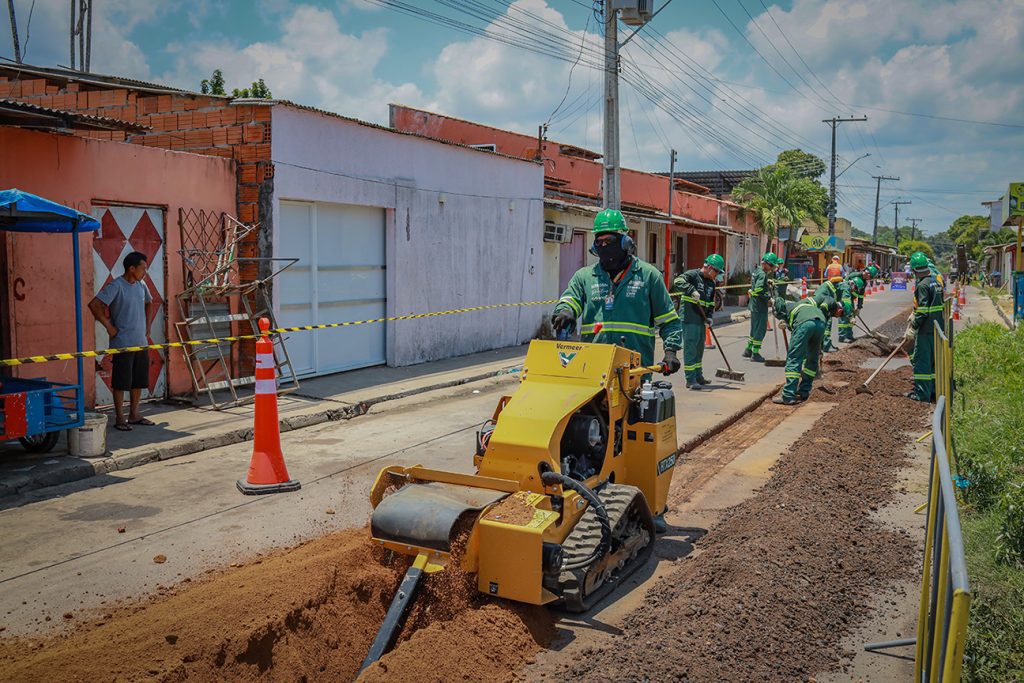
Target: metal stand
{"type": "Point", "coordinates": [216, 305]}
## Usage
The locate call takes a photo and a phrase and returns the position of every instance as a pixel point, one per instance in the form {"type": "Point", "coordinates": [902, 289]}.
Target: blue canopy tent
{"type": "Point", "coordinates": [41, 411]}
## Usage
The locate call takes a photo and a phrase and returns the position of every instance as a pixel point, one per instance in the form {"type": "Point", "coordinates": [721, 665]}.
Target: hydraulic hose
{"type": "Point", "coordinates": [552, 478]}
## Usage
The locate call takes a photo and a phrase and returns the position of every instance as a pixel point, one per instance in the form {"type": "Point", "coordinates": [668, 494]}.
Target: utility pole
{"type": "Point", "coordinates": [668, 226]}
{"type": "Point", "coordinates": [834, 123]}
{"type": "Point", "coordinates": [612, 197]}
{"type": "Point", "coordinates": [896, 223]}
{"type": "Point", "coordinates": [14, 31]}
{"type": "Point", "coordinates": [913, 227]}
{"type": "Point", "coordinates": [878, 192]}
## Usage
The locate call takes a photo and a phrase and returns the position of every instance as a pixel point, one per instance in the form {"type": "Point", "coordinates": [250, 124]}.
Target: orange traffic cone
{"type": "Point", "coordinates": [956, 310]}
{"type": "Point", "coordinates": [870, 289]}
{"type": "Point", "coordinates": [267, 471]}
{"type": "Point", "coordinates": [961, 298]}
{"type": "Point", "coordinates": [803, 288]}
{"type": "Point", "coordinates": [708, 344]}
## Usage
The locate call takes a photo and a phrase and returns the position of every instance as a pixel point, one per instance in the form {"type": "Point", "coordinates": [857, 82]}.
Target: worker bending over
{"type": "Point", "coordinates": [855, 288]}
{"type": "Point", "coordinates": [920, 332]}
{"type": "Point", "coordinates": [760, 299]}
{"type": "Point", "coordinates": [620, 298]}
{"type": "Point", "coordinates": [696, 289]}
{"type": "Point", "coordinates": [807, 322]}
{"type": "Point", "coordinates": [829, 293]}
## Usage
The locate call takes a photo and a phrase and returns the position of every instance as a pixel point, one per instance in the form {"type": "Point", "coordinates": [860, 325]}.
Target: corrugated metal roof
{"type": "Point", "coordinates": [14, 112]}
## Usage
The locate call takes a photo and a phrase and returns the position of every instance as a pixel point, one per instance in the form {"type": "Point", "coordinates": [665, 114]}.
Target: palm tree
{"type": "Point", "coordinates": [778, 197]}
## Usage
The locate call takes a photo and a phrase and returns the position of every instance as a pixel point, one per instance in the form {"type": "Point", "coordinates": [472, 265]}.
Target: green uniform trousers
{"type": "Point", "coordinates": [826, 344]}
{"type": "Point", "coordinates": [845, 329]}
{"type": "Point", "coordinates": [802, 359]}
{"type": "Point", "coordinates": [758, 327]}
{"type": "Point", "coordinates": [693, 351]}
{"type": "Point", "coordinates": [923, 360]}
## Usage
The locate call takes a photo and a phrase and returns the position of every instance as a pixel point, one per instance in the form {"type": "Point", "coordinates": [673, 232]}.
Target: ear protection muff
{"type": "Point", "coordinates": [625, 241]}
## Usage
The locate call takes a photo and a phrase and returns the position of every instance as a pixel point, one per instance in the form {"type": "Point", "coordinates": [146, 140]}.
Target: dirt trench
{"type": "Point", "coordinates": [767, 595]}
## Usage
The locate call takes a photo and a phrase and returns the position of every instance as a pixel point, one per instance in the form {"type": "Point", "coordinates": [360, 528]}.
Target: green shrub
{"type": "Point", "coordinates": [1010, 541]}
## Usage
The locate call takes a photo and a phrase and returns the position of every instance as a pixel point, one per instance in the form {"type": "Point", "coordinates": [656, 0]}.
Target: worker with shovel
{"type": "Point", "coordinates": [829, 293]}
{"type": "Point", "coordinates": [781, 275]}
{"type": "Point", "coordinates": [855, 289]}
{"type": "Point", "coordinates": [928, 311]}
{"type": "Point", "coordinates": [807, 321]}
{"type": "Point", "coordinates": [620, 298]}
{"type": "Point", "coordinates": [760, 299]}
{"type": "Point", "coordinates": [696, 288]}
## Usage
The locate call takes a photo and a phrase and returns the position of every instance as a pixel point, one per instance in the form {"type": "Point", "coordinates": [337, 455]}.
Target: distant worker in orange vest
{"type": "Point", "coordinates": [834, 269]}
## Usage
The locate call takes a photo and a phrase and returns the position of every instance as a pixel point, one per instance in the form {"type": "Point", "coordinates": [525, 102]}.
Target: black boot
{"type": "Point", "coordinates": [783, 401]}
{"type": "Point", "coordinates": [757, 358]}
{"type": "Point", "coordinates": [747, 352]}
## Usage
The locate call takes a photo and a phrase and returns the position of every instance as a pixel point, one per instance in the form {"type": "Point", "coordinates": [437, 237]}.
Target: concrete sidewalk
{"type": "Point", "coordinates": [182, 430]}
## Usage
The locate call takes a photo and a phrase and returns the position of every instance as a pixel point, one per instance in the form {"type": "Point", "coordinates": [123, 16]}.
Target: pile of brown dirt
{"type": "Point", "coordinates": [774, 586]}
{"type": "Point", "coordinates": [311, 610]}
{"type": "Point", "coordinates": [306, 613]}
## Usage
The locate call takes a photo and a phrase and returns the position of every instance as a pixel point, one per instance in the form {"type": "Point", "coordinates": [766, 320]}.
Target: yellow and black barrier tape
{"type": "Point", "coordinates": [8, 362]}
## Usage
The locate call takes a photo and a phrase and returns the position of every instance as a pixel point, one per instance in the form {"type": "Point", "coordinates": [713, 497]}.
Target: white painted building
{"type": "Point", "coordinates": [386, 224]}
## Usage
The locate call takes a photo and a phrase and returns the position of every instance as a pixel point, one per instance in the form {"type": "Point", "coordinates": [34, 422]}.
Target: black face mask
{"type": "Point", "coordinates": [613, 257]}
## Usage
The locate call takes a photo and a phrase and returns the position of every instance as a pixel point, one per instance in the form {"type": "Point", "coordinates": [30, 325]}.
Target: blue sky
{"type": "Point", "coordinates": [728, 83]}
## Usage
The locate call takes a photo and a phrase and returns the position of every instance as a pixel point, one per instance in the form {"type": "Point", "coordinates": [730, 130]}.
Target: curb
{"type": "Point", "coordinates": [116, 463]}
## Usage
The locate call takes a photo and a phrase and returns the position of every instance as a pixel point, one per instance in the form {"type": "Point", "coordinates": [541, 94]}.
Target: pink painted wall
{"type": "Point", "coordinates": [77, 172]}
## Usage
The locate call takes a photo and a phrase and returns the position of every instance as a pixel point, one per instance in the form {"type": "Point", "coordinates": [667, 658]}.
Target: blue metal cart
{"type": "Point", "coordinates": [36, 411]}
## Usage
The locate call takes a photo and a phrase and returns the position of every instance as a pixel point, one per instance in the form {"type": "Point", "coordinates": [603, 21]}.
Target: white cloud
{"type": "Point", "coordinates": [312, 62]}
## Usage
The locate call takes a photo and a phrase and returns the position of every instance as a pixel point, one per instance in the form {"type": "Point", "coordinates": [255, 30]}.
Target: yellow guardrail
{"type": "Point", "coordinates": [945, 601]}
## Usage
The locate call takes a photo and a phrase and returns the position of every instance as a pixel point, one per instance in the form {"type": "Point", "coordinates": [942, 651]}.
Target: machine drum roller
{"type": "Point", "coordinates": [571, 470]}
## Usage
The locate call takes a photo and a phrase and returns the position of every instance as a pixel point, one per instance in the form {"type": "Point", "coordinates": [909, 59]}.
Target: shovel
{"type": "Point", "coordinates": [776, 362]}
{"type": "Point", "coordinates": [722, 372]}
{"type": "Point", "coordinates": [864, 388]}
{"type": "Point", "coordinates": [874, 335]}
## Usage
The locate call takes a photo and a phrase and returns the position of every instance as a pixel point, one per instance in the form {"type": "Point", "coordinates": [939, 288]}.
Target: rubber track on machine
{"type": "Point", "coordinates": [584, 539]}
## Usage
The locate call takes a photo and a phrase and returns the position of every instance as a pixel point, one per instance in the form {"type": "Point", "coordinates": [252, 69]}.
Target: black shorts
{"type": "Point", "coordinates": [130, 371]}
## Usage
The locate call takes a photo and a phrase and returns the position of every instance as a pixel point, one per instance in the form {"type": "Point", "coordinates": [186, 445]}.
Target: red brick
{"type": "Point", "coordinates": [220, 136]}
{"type": "Point", "coordinates": [83, 100]}
{"type": "Point", "coordinates": [184, 121]}
{"type": "Point", "coordinates": [199, 119]}
{"type": "Point", "coordinates": [252, 133]}
{"type": "Point", "coordinates": [248, 193]}
{"type": "Point", "coordinates": [71, 87]}
{"type": "Point", "coordinates": [119, 98]}
{"type": "Point", "coordinates": [163, 103]}
{"type": "Point", "coordinates": [93, 99]}
{"type": "Point", "coordinates": [177, 141]}
{"type": "Point", "coordinates": [199, 138]}
{"type": "Point", "coordinates": [247, 173]}
{"type": "Point", "coordinates": [213, 118]}
{"type": "Point", "coordinates": [234, 135]}
{"type": "Point", "coordinates": [118, 136]}
{"type": "Point", "coordinates": [247, 213]}
{"type": "Point", "coordinates": [243, 114]}
{"type": "Point", "coordinates": [148, 105]}
{"type": "Point", "coordinates": [193, 103]}
{"type": "Point", "coordinates": [52, 89]}
{"type": "Point", "coordinates": [263, 152]}
{"type": "Point", "coordinates": [261, 113]}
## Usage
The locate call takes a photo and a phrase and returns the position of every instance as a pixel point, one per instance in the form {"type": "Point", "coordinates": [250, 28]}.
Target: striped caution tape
{"type": "Point", "coordinates": [242, 337]}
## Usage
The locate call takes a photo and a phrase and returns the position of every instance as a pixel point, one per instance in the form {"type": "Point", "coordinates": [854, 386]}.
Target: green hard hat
{"type": "Point", "coordinates": [609, 220]}
{"type": "Point", "coordinates": [918, 260]}
{"type": "Point", "coordinates": [872, 270]}
{"type": "Point", "coordinates": [716, 262]}
{"type": "Point", "coordinates": [770, 258]}
{"type": "Point", "coordinates": [859, 284]}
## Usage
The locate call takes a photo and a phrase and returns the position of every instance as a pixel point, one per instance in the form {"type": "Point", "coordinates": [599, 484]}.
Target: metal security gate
{"type": "Point", "coordinates": [124, 229]}
{"type": "Point", "coordinates": [340, 276]}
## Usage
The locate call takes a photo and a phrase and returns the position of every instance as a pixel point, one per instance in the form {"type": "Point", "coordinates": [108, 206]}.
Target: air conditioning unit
{"type": "Point", "coordinates": [556, 232]}
{"type": "Point", "coordinates": [634, 12]}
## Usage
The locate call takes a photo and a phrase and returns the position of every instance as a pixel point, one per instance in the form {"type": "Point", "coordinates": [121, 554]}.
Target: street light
{"type": "Point", "coordinates": [852, 163]}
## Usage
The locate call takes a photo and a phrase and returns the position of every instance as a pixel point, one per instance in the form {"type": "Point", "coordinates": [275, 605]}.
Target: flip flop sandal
{"type": "Point", "coordinates": [143, 421]}
{"type": "Point", "coordinates": [123, 427]}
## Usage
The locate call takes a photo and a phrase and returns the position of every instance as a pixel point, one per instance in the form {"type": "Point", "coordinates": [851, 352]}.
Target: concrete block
{"type": "Point", "coordinates": [104, 466]}
{"type": "Point", "coordinates": [70, 471]}
{"type": "Point", "coordinates": [177, 450]}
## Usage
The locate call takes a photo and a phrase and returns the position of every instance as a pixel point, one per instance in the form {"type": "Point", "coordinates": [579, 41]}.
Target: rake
{"type": "Point", "coordinates": [864, 388]}
{"type": "Point", "coordinates": [874, 335]}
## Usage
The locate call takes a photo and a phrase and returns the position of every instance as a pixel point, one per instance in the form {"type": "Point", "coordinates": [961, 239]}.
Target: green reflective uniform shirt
{"type": "Point", "coordinates": [695, 291]}
{"type": "Point", "coordinates": [631, 309]}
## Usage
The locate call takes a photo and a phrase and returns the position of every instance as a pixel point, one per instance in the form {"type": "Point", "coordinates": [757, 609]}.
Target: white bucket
{"type": "Point", "coordinates": [89, 440]}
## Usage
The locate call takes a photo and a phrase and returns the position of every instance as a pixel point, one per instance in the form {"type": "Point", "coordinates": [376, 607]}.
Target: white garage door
{"type": "Point", "coordinates": [339, 278]}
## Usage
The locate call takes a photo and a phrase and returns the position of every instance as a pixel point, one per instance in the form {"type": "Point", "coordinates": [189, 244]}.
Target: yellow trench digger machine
{"type": "Point", "coordinates": [570, 472]}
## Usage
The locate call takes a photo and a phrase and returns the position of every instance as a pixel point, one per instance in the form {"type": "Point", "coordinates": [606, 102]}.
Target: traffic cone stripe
{"type": "Point", "coordinates": [267, 471]}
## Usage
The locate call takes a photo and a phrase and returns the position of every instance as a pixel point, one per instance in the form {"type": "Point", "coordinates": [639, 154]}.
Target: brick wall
{"type": "Point", "coordinates": [199, 124]}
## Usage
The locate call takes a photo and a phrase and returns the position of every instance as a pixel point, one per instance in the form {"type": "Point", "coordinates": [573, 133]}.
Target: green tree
{"type": "Point", "coordinates": [801, 163]}
{"type": "Point", "coordinates": [908, 247]}
{"type": "Point", "coordinates": [974, 233]}
{"type": "Point", "coordinates": [214, 85]}
{"type": "Point", "coordinates": [779, 197]}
